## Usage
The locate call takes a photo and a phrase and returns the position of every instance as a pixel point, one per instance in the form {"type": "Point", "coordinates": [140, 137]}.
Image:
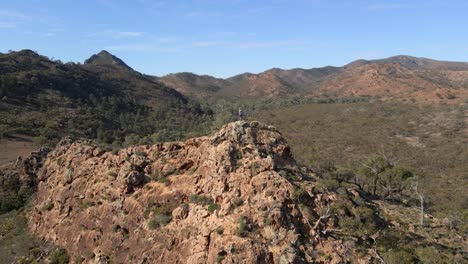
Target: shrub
{"type": "Point", "coordinates": [451, 96]}
{"type": "Point", "coordinates": [36, 252]}
{"type": "Point", "coordinates": [157, 175]}
{"type": "Point", "coordinates": [328, 184]}
{"type": "Point", "coordinates": [39, 140]}
{"type": "Point", "coordinates": [237, 201]}
{"type": "Point", "coordinates": [289, 176]}
{"type": "Point", "coordinates": [201, 199]}
{"type": "Point", "coordinates": [59, 256]}
{"type": "Point", "coordinates": [161, 216]}
{"type": "Point", "coordinates": [429, 255]}
{"type": "Point", "coordinates": [254, 168]}
{"type": "Point", "coordinates": [10, 202]}
{"type": "Point", "coordinates": [398, 257]}
{"type": "Point", "coordinates": [140, 153]}
{"type": "Point", "coordinates": [221, 256]}
{"type": "Point", "coordinates": [268, 221]}
{"type": "Point", "coordinates": [48, 206]}
{"type": "Point", "coordinates": [159, 220]}
{"type": "Point", "coordinates": [212, 207]}
{"type": "Point", "coordinates": [299, 193]}
{"type": "Point", "coordinates": [242, 229]}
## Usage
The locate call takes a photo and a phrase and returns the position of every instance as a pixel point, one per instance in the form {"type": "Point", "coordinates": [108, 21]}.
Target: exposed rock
{"type": "Point", "coordinates": [214, 199]}
{"type": "Point", "coordinates": [180, 212]}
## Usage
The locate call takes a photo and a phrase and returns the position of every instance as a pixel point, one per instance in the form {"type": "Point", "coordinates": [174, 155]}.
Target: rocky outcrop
{"type": "Point", "coordinates": [234, 197]}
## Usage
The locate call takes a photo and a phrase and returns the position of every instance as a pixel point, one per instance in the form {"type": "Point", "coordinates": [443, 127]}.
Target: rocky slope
{"type": "Point", "coordinates": [234, 197]}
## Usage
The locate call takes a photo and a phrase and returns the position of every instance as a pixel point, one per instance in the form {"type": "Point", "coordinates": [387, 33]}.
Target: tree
{"type": "Point", "coordinates": [372, 170]}
{"type": "Point", "coordinates": [384, 178]}
{"type": "Point", "coordinates": [421, 205]}
{"type": "Point", "coordinates": [394, 181]}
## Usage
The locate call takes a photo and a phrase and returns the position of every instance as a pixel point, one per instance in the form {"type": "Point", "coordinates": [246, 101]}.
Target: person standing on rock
{"type": "Point", "coordinates": [241, 114]}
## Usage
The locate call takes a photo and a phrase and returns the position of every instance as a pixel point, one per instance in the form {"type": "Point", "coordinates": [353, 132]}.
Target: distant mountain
{"type": "Point", "coordinates": [423, 63]}
{"type": "Point", "coordinates": [398, 77]}
{"type": "Point", "coordinates": [271, 83]}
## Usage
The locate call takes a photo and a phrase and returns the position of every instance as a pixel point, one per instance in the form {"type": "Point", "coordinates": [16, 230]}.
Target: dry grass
{"type": "Point", "coordinates": [347, 134]}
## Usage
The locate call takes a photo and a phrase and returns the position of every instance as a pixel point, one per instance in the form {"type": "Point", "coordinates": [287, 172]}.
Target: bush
{"type": "Point", "coordinates": [429, 255]}
{"type": "Point", "coordinates": [48, 206]}
{"type": "Point", "coordinates": [242, 229]}
{"type": "Point", "coordinates": [161, 216]}
{"type": "Point", "coordinates": [10, 202]}
{"type": "Point", "coordinates": [39, 140]}
{"type": "Point", "coordinates": [328, 185]}
{"type": "Point", "coordinates": [201, 199]}
{"type": "Point", "coordinates": [159, 220]}
{"type": "Point", "coordinates": [451, 96]}
{"type": "Point", "coordinates": [140, 153]}
{"type": "Point", "coordinates": [157, 175]}
{"type": "Point", "coordinates": [59, 256]}
{"type": "Point", "coordinates": [237, 202]}
{"type": "Point", "coordinates": [398, 257]}
{"type": "Point", "coordinates": [212, 207]}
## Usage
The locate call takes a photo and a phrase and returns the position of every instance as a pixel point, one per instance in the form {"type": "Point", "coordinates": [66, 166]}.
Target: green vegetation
{"type": "Point", "coordinates": [158, 176]}
{"type": "Point", "coordinates": [14, 193]}
{"type": "Point", "coordinates": [201, 199]}
{"type": "Point", "coordinates": [161, 216]}
{"type": "Point", "coordinates": [403, 142]}
{"type": "Point", "coordinates": [243, 227]}
{"type": "Point", "coordinates": [115, 106]}
{"type": "Point", "coordinates": [18, 246]}
{"type": "Point", "coordinates": [59, 256]}
{"type": "Point", "coordinates": [381, 149]}
{"type": "Point", "coordinates": [213, 207]}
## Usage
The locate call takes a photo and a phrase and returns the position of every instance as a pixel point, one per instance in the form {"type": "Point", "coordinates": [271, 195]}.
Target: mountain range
{"type": "Point", "coordinates": [399, 77]}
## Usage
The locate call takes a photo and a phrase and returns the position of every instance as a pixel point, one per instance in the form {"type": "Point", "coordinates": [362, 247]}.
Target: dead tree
{"type": "Point", "coordinates": [421, 206]}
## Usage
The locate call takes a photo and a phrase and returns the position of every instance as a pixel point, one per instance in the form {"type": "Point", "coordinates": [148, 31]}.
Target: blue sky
{"type": "Point", "coordinates": [227, 37]}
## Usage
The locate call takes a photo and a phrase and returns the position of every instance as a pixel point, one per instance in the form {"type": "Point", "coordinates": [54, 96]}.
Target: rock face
{"type": "Point", "coordinates": [234, 197]}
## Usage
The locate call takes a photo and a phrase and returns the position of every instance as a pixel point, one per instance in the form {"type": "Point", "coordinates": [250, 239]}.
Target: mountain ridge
{"type": "Point", "coordinates": [415, 78]}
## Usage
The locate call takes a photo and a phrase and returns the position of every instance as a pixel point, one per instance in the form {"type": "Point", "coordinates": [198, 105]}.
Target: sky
{"type": "Point", "coordinates": [227, 37]}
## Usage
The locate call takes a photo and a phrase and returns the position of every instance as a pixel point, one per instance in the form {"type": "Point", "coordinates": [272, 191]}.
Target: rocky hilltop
{"type": "Point", "coordinates": [234, 197]}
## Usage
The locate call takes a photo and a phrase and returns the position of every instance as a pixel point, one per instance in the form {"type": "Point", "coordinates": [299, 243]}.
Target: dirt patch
{"type": "Point", "coordinates": [14, 146]}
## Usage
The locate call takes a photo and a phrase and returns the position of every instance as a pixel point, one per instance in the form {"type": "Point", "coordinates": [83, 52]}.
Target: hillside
{"type": "Point", "coordinates": [102, 99]}
{"type": "Point", "coordinates": [399, 77]}
{"type": "Point", "coordinates": [190, 84]}
{"type": "Point", "coordinates": [234, 196]}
